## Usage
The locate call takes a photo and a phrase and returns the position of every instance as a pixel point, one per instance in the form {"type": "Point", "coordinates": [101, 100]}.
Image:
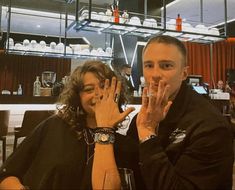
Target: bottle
{"type": "Point", "coordinates": [116, 15]}
{"type": "Point", "coordinates": [178, 26]}
{"type": "Point", "coordinates": [36, 87]}
{"type": "Point", "coordinates": [19, 91]}
{"type": "Point", "coordinates": [125, 16]}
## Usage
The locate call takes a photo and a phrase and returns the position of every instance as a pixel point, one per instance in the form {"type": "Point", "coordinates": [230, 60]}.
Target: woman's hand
{"type": "Point", "coordinates": [106, 109]}
{"type": "Point", "coordinates": [155, 106]}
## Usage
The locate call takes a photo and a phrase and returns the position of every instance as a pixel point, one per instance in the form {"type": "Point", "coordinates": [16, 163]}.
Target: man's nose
{"type": "Point", "coordinates": [156, 74]}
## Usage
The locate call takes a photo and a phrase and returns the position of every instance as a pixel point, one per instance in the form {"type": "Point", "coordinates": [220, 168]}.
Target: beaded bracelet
{"type": "Point", "coordinates": [104, 130]}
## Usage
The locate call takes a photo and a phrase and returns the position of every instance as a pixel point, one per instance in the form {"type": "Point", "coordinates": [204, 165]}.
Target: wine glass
{"type": "Point", "coordinates": [123, 179]}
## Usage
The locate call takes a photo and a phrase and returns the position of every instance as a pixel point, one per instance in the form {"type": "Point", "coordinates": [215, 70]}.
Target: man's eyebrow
{"type": "Point", "coordinates": [148, 61]}
{"type": "Point", "coordinates": [166, 61]}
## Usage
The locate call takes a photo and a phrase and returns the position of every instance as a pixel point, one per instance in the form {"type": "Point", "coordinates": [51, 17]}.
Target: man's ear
{"type": "Point", "coordinates": [185, 72]}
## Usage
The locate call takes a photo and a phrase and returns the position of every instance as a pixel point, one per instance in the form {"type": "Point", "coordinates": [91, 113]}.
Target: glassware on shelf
{"type": "Point", "coordinates": [36, 87]}
{"type": "Point", "coordinates": [20, 90]}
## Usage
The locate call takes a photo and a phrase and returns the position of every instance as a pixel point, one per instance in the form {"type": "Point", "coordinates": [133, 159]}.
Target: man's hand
{"type": "Point", "coordinates": [155, 106]}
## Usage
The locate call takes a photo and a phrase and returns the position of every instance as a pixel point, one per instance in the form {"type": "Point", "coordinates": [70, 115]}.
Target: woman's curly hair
{"type": "Point", "coordinates": [69, 103]}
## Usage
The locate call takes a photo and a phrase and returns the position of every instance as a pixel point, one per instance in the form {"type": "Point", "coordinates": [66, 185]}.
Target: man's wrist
{"type": "Point", "coordinates": [146, 138]}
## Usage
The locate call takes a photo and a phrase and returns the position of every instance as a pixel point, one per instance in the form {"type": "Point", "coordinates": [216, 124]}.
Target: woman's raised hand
{"type": "Point", "coordinates": [106, 109]}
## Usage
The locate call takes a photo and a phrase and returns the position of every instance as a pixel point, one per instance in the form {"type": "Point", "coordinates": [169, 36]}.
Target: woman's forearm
{"type": "Point", "coordinates": [11, 182]}
{"type": "Point", "coordinates": [104, 165]}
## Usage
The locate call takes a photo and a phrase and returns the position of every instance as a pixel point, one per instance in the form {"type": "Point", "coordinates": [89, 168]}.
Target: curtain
{"type": "Point", "coordinates": [199, 60]}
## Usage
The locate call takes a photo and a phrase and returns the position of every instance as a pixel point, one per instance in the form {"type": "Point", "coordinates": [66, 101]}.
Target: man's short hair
{"type": "Point", "coordinates": [165, 39]}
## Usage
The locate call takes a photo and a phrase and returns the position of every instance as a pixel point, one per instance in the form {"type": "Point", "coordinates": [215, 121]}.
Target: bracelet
{"type": "Point", "coordinates": [147, 138]}
{"type": "Point", "coordinates": [104, 130]}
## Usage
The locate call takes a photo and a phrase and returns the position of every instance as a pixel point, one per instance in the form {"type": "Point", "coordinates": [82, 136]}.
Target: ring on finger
{"type": "Point", "coordinates": [150, 95]}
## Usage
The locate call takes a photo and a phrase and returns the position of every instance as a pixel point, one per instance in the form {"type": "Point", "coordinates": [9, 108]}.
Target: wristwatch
{"type": "Point", "coordinates": [104, 138]}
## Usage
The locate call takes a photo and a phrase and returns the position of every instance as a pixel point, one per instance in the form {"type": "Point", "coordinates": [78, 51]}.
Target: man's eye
{"type": "Point", "coordinates": [148, 65]}
{"type": "Point", "coordinates": [166, 66]}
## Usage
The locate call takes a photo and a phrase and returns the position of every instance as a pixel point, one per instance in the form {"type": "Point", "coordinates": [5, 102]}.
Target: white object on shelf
{"type": "Point", "coordinates": [26, 44]}
{"type": "Point", "coordinates": [134, 21]}
{"type": "Point", "coordinates": [42, 44]}
{"type": "Point", "coordinates": [200, 28]}
{"type": "Point", "coordinates": [11, 43]}
{"type": "Point", "coordinates": [214, 31]}
{"type": "Point", "coordinates": [150, 22]}
{"type": "Point", "coordinates": [33, 45]}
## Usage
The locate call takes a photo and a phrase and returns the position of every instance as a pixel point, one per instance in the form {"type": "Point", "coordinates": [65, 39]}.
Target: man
{"type": "Point", "coordinates": [125, 72]}
{"type": "Point", "coordinates": [220, 85]}
{"type": "Point", "coordinates": [185, 143]}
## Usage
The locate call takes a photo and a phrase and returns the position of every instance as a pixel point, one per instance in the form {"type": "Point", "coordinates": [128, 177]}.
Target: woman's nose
{"type": "Point", "coordinates": [99, 92]}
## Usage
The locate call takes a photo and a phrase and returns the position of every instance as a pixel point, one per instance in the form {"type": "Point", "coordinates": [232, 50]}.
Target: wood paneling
{"type": "Point", "coordinates": [16, 69]}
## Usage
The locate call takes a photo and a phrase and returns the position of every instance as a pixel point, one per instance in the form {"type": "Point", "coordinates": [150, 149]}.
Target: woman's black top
{"type": "Point", "coordinates": [52, 157]}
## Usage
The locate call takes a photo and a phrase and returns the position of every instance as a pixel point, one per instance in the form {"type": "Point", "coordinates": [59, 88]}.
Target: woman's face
{"type": "Point", "coordinates": [87, 94]}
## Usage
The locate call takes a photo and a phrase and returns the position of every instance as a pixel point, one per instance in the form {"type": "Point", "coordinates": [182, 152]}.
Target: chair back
{"type": "Point", "coordinates": [31, 119]}
{"type": "Point", "coordinates": [4, 121]}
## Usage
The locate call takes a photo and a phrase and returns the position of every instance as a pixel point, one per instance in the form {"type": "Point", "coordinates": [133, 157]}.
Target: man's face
{"type": "Point", "coordinates": [220, 85]}
{"type": "Point", "coordinates": [128, 71]}
{"type": "Point", "coordinates": [164, 62]}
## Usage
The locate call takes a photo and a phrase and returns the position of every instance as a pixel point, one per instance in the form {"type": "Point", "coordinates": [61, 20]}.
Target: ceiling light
{"type": "Point", "coordinates": [170, 4]}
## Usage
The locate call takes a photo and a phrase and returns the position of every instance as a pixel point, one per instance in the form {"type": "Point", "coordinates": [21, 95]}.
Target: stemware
{"type": "Point", "coordinates": [123, 180]}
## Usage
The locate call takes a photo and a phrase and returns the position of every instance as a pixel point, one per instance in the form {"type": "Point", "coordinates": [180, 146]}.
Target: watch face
{"type": "Point", "coordinates": [104, 137]}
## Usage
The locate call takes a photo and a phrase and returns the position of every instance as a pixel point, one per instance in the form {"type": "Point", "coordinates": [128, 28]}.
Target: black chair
{"type": "Point", "coordinates": [4, 121]}
{"type": "Point", "coordinates": [30, 120]}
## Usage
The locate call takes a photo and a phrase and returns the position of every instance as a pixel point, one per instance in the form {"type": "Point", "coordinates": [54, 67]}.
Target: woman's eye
{"type": "Point", "coordinates": [89, 89]}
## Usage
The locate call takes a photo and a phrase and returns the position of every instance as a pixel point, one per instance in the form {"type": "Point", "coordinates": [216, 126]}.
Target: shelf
{"type": "Point", "coordinates": [58, 55]}
{"type": "Point", "coordinates": [141, 31]}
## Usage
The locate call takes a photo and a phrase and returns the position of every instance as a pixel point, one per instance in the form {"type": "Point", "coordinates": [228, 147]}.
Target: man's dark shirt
{"type": "Point", "coordinates": [193, 149]}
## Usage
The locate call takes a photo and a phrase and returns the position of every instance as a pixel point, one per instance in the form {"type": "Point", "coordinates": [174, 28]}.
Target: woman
{"type": "Point", "coordinates": [60, 154]}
